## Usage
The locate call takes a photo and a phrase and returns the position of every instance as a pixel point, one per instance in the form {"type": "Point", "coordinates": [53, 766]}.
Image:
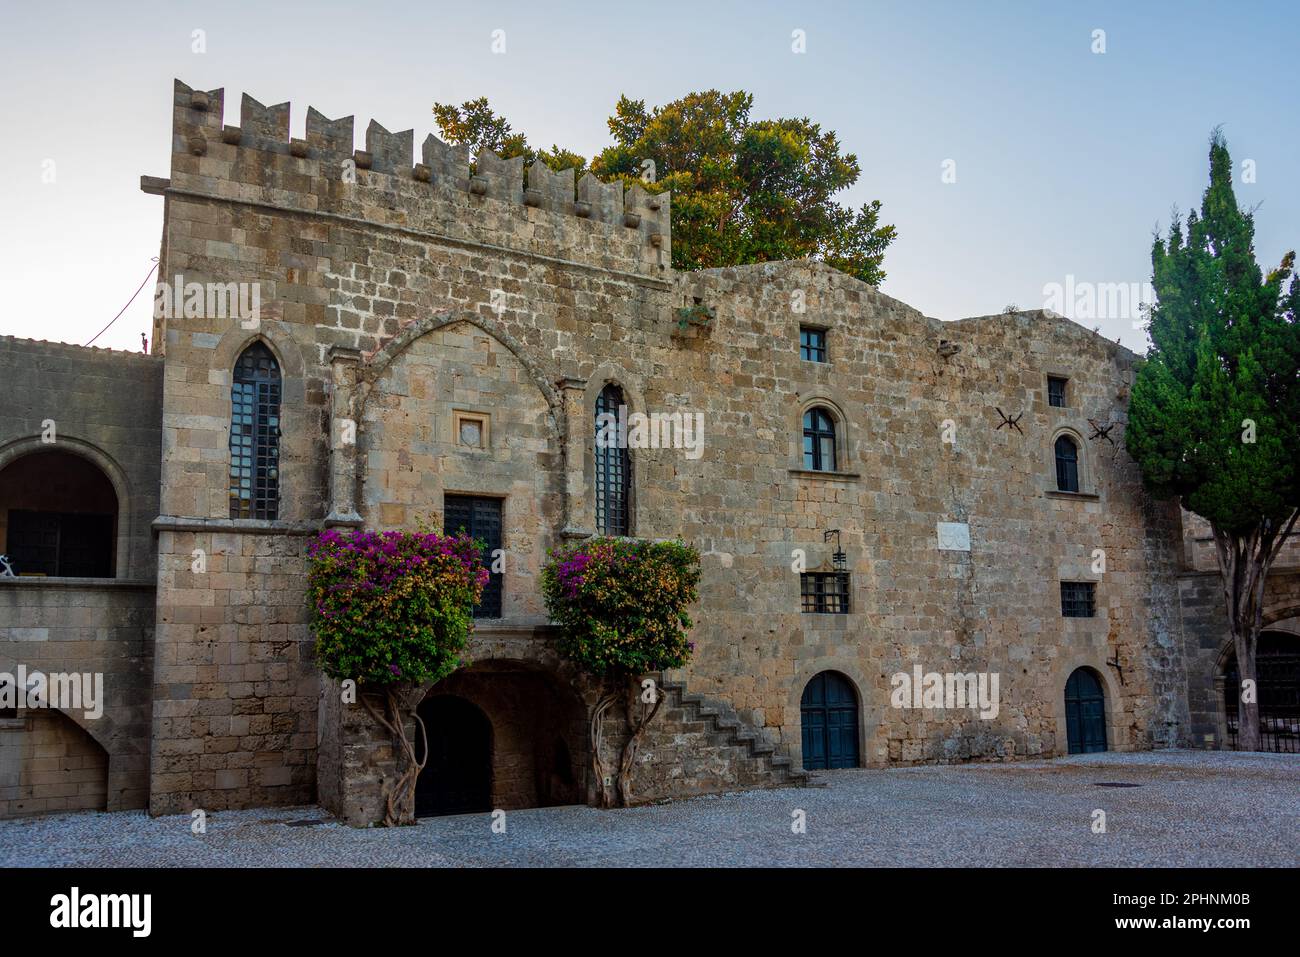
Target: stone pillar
{"type": "Point", "coordinates": [573, 394]}
{"type": "Point", "coordinates": [344, 365]}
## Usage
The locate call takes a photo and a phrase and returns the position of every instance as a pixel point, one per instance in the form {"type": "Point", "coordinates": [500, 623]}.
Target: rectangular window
{"type": "Point", "coordinates": [479, 518]}
{"type": "Point", "coordinates": [1056, 391]}
{"type": "Point", "coordinates": [825, 593]}
{"type": "Point", "coordinates": [1078, 599]}
{"type": "Point", "coordinates": [812, 344]}
{"type": "Point", "coordinates": [60, 544]}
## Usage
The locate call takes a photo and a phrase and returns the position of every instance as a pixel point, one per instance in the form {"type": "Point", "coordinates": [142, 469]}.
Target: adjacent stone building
{"type": "Point", "coordinates": [350, 338]}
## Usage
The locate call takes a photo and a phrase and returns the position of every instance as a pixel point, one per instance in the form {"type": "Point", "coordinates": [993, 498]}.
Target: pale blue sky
{"type": "Point", "coordinates": [1065, 159]}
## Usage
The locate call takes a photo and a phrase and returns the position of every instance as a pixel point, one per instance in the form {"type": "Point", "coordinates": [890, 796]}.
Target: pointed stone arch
{"type": "Point", "coordinates": [374, 369]}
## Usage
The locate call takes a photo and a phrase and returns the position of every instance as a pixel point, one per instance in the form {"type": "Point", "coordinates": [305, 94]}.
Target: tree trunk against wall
{"type": "Point", "coordinates": [1244, 563]}
{"type": "Point", "coordinates": [397, 703]}
{"type": "Point", "coordinates": [637, 724]}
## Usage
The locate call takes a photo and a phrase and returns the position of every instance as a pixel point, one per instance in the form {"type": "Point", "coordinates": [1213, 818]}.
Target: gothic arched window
{"type": "Point", "coordinates": [818, 440]}
{"type": "Point", "coordinates": [613, 464]}
{"type": "Point", "coordinates": [255, 435]}
{"type": "Point", "coordinates": [1067, 464]}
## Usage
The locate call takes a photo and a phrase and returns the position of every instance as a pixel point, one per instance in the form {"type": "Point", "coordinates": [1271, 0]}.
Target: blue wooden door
{"type": "Point", "coordinates": [829, 719]}
{"type": "Point", "coordinates": [1085, 713]}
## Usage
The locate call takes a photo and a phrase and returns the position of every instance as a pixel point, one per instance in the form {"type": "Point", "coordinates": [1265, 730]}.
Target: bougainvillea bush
{"type": "Point", "coordinates": [621, 604]}
{"type": "Point", "coordinates": [392, 606]}
{"type": "Point", "coordinates": [621, 607]}
{"type": "Point", "coordinates": [392, 612]}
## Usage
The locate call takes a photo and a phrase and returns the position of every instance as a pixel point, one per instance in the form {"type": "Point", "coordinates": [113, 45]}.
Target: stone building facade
{"type": "Point", "coordinates": [431, 335]}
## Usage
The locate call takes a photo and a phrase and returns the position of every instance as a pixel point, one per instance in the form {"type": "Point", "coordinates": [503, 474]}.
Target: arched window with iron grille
{"type": "Point", "coordinates": [613, 467]}
{"type": "Point", "coordinates": [818, 440]}
{"type": "Point", "coordinates": [255, 435]}
{"type": "Point", "coordinates": [1067, 464]}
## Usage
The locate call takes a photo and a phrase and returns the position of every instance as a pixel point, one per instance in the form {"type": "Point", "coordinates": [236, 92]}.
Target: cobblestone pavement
{"type": "Point", "coordinates": [1191, 808]}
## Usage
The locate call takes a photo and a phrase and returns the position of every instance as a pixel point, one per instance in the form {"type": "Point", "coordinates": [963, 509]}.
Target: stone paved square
{"type": "Point", "coordinates": [1190, 809]}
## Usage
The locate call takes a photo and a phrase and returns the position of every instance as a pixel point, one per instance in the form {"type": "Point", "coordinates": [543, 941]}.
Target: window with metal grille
{"type": "Point", "coordinates": [1067, 465]}
{"type": "Point", "coordinates": [1056, 391]}
{"type": "Point", "coordinates": [479, 518]}
{"type": "Point", "coordinates": [818, 441]}
{"type": "Point", "coordinates": [825, 593]}
{"type": "Point", "coordinates": [812, 344]}
{"type": "Point", "coordinates": [1078, 599]}
{"type": "Point", "coordinates": [613, 468]}
{"type": "Point", "coordinates": [255, 435]}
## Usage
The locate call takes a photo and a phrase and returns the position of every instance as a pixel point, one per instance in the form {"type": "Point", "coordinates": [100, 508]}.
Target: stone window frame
{"type": "Point", "coordinates": [1069, 390]}
{"type": "Point", "coordinates": [826, 342]}
{"type": "Point", "coordinates": [274, 499]}
{"type": "Point", "coordinates": [844, 432]}
{"type": "Point", "coordinates": [609, 373]}
{"type": "Point", "coordinates": [298, 438]}
{"type": "Point", "coordinates": [1065, 391]}
{"type": "Point", "coordinates": [1087, 481]}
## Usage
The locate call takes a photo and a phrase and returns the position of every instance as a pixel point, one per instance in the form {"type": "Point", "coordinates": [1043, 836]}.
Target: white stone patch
{"type": "Point", "coordinates": [28, 634]}
{"type": "Point", "coordinates": [953, 536]}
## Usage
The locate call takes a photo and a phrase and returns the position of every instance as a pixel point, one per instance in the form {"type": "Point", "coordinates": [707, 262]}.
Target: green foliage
{"type": "Point", "coordinates": [621, 604]}
{"type": "Point", "coordinates": [744, 191]}
{"type": "Point", "coordinates": [699, 314]}
{"type": "Point", "coordinates": [392, 607]}
{"type": "Point", "coordinates": [1225, 349]}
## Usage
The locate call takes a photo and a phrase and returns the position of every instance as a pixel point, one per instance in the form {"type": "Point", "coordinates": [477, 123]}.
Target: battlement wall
{"type": "Point", "coordinates": [497, 202]}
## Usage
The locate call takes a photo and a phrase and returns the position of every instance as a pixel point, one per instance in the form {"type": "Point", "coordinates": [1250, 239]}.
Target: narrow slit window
{"type": "Point", "coordinates": [613, 467]}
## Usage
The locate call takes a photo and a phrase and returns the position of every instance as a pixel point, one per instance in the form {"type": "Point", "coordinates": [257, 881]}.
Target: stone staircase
{"type": "Point", "coordinates": [700, 745]}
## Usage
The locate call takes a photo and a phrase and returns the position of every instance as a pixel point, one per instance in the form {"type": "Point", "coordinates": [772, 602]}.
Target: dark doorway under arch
{"type": "Point", "coordinates": [1277, 675]}
{"type": "Point", "coordinates": [1085, 712]}
{"type": "Point", "coordinates": [457, 778]}
{"type": "Point", "coordinates": [828, 715]}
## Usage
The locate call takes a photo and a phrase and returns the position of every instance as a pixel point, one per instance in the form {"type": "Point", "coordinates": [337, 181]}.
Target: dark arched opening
{"type": "Point", "coordinates": [58, 517]}
{"type": "Point", "coordinates": [457, 776]}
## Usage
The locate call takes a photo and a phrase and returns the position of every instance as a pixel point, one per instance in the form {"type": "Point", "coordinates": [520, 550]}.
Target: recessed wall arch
{"type": "Point", "coordinates": [869, 711]}
{"type": "Point", "coordinates": [373, 370]}
{"type": "Point", "coordinates": [1117, 736]}
{"type": "Point", "coordinates": [116, 475]}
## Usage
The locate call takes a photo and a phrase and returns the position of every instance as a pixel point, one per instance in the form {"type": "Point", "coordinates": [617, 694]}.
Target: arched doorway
{"type": "Point", "coordinates": [1085, 712]}
{"type": "Point", "coordinates": [457, 778]}
{"type": "Point", "coordinates": [1277, 673]}
{"type": "Point", "coordinates": [58, 517]}
{"type": "Point", "coordinates": [828, 714]}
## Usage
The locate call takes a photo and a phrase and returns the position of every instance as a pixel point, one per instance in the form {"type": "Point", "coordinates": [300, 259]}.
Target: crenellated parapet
{"type": "Point", "coordinates": [590, 222]}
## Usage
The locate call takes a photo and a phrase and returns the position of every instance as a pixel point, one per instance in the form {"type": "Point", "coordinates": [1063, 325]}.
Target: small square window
{"type": "Point", "coordinates": [1078, 599]}
{"type": "Point", "coordinates": [470, 429]}
{"type": "Point", "coordinates": [825, 593]}
{"type": "Point", "coordinates": [812, 344]}
{"type": "Point", "coordinates": [1056, 391]}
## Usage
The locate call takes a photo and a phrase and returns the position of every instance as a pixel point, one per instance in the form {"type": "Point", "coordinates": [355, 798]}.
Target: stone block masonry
{"type": "Point", "coordinates": [403, 298]}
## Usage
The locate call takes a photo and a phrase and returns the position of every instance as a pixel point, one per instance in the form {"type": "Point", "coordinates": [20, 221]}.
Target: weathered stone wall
{"type": "Point", "coordinates": [235, 687]}
{"type": "Point", "coordinates": [49, 764]}
{"type": "Point", "coordinates": [105, 408]}
{"type": "Point", "coordinates": [395, 294]}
